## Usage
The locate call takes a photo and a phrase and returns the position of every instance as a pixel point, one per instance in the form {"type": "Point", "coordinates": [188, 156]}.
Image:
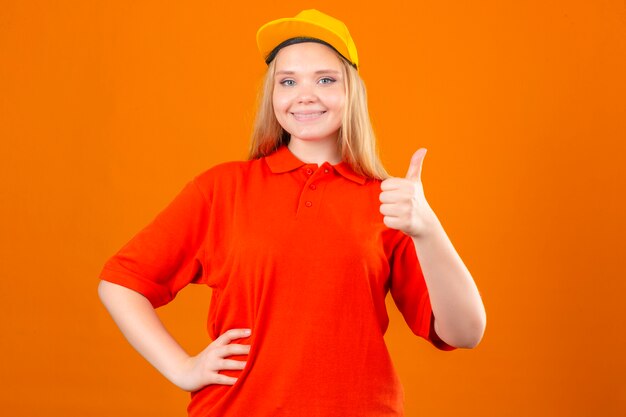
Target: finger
{"type": "Point", "coordinates": [395, 210]}
{"type": "Point", "coordinates": [389, 210]}
{"type": "Point", "coordinates": [396, 196]}
{"type": "Point", "coordinates": [415, 167]}
{"type": "Point", "coordinates": [392, 222]}
{"type": "Point", "coordinates": [232, 364]}
{"type": "Point", "coordinates": [390, 197]}
{"type": "Point", "coordinates": [233, 349]}
{"type": "Point", "coordinates": [224, 380]}
{"type": "Point", "coordinates": [232, 334]}
{"type": "Point", "coordinates": [391, 183]}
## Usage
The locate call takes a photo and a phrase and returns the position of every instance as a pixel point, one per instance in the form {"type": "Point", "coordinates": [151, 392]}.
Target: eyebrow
{"type": "Point", "coordinates": [323, 71]}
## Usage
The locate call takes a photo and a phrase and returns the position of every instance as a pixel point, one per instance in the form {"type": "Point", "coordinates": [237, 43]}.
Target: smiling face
{"type": "Point", "coordinates": [309, 91]}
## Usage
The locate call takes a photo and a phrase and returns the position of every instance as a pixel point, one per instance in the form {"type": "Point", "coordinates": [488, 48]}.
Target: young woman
{"type": "Point", "coordinates": [300, 245]}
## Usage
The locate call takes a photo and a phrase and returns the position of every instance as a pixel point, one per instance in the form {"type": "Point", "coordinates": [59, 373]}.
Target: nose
{"type": "Point", "coordinates": [306, 94]}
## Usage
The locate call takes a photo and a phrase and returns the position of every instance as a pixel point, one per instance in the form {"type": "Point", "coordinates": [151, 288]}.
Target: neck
{"type": "Point", "coordinates": [315, 152]}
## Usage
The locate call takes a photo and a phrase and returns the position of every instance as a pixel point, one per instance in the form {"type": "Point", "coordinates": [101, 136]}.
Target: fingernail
{"type": "Point", "coordinates": [247, 332]}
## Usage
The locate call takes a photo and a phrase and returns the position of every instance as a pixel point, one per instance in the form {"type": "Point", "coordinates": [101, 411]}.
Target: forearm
{"type": "Point", "coordinates": [460, 317]}
{"type": "Point", "coordinates": [143, 329]}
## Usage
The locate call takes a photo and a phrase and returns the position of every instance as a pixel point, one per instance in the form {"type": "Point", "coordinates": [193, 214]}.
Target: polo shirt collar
{"type": "Point", "coordinates": [282, 160]}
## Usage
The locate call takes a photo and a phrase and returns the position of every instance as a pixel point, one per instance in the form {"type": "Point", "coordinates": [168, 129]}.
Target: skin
{"type": "Point", "coordinates": [460, 317]}
{"type": "Point", "coordinates": [309, 97]}
{"type": "Point", "coordinates": [302, 86]}
{"type": "Point", "coordinates": [143, 329]}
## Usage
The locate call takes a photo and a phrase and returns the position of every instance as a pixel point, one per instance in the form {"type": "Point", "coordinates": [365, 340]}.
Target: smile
{"type": "Point", "coordinates": [308, 116]}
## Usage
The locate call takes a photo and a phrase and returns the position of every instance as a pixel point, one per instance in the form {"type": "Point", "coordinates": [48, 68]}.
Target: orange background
{"type": "Point", "coordinates": [108, 108]}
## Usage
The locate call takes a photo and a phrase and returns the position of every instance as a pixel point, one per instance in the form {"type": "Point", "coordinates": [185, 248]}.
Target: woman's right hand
{"type": "Point", "coordinates": [203, 369]}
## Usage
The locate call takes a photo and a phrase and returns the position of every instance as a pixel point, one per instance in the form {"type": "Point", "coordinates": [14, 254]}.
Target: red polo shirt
{"type": "Point", "coordinates": [299, 254]}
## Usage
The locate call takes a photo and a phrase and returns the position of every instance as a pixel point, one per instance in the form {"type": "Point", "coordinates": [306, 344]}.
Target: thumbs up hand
{"type": "Point", "coordinates": [404, 206]}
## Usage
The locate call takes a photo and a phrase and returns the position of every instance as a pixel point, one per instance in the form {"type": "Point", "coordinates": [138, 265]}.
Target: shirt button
{"type": "Point", "coordinates": [309, 171]}
{"type": "Point", "coordinates": [308, 204]}
{"type": "Point", "coordinates": [326, 171]}
{"type": "Point", "coordinates": [312, 186]}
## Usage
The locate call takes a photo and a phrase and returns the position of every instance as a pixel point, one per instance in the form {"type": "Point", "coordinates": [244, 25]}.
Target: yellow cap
{"type": "Point", "coordinates": [307, 24]}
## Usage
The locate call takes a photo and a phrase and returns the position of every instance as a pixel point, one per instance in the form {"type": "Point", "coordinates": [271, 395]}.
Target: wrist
{"type": "Point", "coordinates": [177, 370]}
{"type": "Point", "coordinates": [429, 225]}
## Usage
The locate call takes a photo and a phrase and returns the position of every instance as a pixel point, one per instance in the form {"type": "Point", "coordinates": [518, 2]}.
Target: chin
{"type": "Point", "coordinates": [314, 136]}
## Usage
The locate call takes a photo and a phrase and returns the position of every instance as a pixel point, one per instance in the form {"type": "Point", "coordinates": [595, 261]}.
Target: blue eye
{"type": "Point", "coordinates": [288, 83]}
{"type": "Point", "coordinates": [327, 80]}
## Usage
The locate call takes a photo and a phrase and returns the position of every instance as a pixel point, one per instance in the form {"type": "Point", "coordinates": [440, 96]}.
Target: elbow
{"type": "Point", "coordinates": [469, 335]}
{"type": "Point", "coordinates": [473, 333]}
{"type": "Point", "coordinates": [469, 342]}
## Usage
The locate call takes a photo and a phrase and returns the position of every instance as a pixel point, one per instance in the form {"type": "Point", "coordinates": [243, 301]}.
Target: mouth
{"type": "Point", "coordinates": [304, 116]}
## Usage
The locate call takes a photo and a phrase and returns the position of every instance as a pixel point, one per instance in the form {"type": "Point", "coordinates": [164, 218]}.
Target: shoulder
{"type": "Point", "coordinates": [225, 171]}
{"type": "Point", "coordinates": [226, 174]}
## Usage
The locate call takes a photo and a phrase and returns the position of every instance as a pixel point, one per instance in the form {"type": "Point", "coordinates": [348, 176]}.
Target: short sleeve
{"type": "Point", "coordinates": [410, 294]}
{"type": "Point", "coordinates": [167, 254]}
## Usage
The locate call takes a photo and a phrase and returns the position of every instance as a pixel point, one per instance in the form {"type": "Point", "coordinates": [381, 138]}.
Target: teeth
{"type": "Point", "coordinates": [304, 116]}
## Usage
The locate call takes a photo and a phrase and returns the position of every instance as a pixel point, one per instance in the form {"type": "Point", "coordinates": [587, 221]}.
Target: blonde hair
{"type": "Point", "coordinates": [356, 141]}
